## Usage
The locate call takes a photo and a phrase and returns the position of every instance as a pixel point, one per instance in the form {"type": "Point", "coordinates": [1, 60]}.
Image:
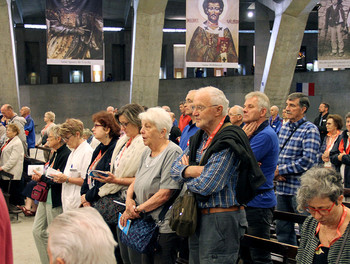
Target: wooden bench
{"type": "Point", "coordinates": [280, 252]}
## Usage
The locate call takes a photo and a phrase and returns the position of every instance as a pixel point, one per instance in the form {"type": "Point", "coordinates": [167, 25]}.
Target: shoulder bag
{"type": "Point", "coordinates": [40, 192]}
{"type": "Point", "coordinates": [183, 218]}
{"type": "Point", "coordinates": [143, 234]}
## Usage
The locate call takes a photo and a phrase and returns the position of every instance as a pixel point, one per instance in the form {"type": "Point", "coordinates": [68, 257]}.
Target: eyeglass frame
{"type": "Point", "coordinates": [323, 212]}
{"type": "Point", "coordinates": [124, 124]}
{"type": "Point", "coordinates": [201, 108]}
{"type": "Point", "coordinates": [65, 139]}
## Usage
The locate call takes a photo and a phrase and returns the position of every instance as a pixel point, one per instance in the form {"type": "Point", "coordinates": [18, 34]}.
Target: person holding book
{"type": "Point", "coordinates": [78, 161]}
{"type": "Point", "coordinates": [52, 207]}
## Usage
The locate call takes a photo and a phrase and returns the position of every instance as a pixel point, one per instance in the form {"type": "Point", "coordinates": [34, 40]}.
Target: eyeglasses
{"type": "Point", "coordinates": [124, 124]}
{"type": "Point", "coordinates": [98, 125]}
{"type": "Point", "coordinates": [312, 210]}
{"type": "Point", "coordinates": [67, 138]}
{"type": "Point", "coordinates": [201, 108]}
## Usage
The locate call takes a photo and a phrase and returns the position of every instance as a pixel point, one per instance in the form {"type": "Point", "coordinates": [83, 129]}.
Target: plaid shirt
{"type": "Point", "coordinates": [298, 155]}
{"type": "Point", "coordinates": [218, 178]}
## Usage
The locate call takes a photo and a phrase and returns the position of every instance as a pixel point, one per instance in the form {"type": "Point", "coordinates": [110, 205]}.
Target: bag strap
{"type": "Point", "coordinates": [168, 204]}
{"type": "Point", "coordinates": [295, 129]}
{"type": "Point", "coordinates": [343, 245]}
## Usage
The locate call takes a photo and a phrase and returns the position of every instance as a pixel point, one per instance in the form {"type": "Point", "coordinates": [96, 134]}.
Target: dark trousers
{"type": "Point", "coordinates": [259, 223]}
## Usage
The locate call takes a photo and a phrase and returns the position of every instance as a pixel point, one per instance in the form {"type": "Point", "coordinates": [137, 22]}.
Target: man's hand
{"type": "Point", "coordinates": [250, 128]}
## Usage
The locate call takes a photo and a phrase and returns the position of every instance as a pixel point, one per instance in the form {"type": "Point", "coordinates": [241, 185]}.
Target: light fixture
{"type": "Point", "coordinates": [250, 14]}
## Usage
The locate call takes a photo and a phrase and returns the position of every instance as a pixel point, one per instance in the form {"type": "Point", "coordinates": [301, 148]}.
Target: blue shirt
{"type": "Point", "coordinates": [188, 132]}
{"type": "Point", "coordinates": [276, 124]}
{"type": "Point", "coordinates": [298, 155]}
{"type": "Point", "coordinates": [265, 148]}
{"type": "Point", "coordinates": [29, 126]}
{"type": "Point", "coordinates": [217, 180]}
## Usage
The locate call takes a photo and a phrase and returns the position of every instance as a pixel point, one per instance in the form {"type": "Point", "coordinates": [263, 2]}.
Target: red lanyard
{"type": "Point", "coordinates": [8, 141]}
{"type": "Point", "coordinates": [124, 148]}
{"type": "Point", "coordinates": [99, 156]}
{"type": "Point", "coordinates": [213, 135]}
{"type": "Point", "coordinates": [342, 219]}
{"type": "Point", "coordinates": [331, 140]}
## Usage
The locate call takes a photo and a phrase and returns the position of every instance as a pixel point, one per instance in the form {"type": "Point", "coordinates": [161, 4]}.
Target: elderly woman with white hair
{"type": "Point", "coordinates": [153, 186]}
{"type": "Point", "coordinates": [325, 234]}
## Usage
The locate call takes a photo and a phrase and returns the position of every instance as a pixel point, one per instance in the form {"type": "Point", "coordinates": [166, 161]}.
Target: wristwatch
{"type": "Point", "coordinates": [67, 180]}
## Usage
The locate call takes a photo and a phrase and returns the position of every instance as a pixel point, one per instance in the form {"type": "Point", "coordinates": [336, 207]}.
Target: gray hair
{"type": "Point", "coordinates": [131, 112]}
{"type": "Point", "coordinates": [238, 108]}
{"type": "Point", "coordinates": [159, 117]}
{"type": "Point", "coordinates": [263, 100]}
{"type": "Point", "coordinates": [217, 97]}
{"type": "Point", "coordinates": [303, 99]}
{"type": "Point", "coordinates": [81, 236]}
{"type": "Point", "coordinates": [319, 182]}
{"type": "Point", "coordinates": [56, 132]}
{"type": "Point", "coordinates": [51, 116]}
{"type": "Point", "coordinates": [347, 115]}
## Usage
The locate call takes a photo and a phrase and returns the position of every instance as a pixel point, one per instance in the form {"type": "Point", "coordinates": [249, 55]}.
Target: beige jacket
{"type": "Point", "coordinates": [12, 157]}
{"type": "Point", "coordinates": [128, 164]}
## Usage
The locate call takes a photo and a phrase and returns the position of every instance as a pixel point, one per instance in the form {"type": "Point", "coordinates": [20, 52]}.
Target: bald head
{"type": "Point", "coordinates": [274, 111]}
{"type": "Point", "coordinates": [110, 109]}
{"type": "Point", "coordinates": [25, 111]}
{"type": "Point", "coordinates": [7, 111]}
{"type": "Point", "coordinates": [236, 115]}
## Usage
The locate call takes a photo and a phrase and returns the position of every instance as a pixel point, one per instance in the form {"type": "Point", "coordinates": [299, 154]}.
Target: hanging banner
{"type": "Point", "coordinates": [333, 35]}
{"type": "Point", "coordinates": [74, 32]}
{"type": "Point", "coordinates": [212, 33]}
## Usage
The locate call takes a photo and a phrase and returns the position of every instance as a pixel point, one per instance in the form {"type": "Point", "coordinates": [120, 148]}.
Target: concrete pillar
{"type": "Point", "coordinates": [8, 80]}
{"type": "Point", "coordinates": [261, 40]}
{"type": "Point", "coordinates": [285, 41]}
{"type": "Point", "coordinates": [147, 43]}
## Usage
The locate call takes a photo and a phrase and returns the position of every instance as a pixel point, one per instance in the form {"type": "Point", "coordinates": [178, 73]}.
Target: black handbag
{"type": "Point", "coordinates": [109, 209]}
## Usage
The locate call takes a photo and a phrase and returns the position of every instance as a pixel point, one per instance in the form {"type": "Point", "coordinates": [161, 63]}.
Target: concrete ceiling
{"type": "Point", "coordinates": [119, 13]}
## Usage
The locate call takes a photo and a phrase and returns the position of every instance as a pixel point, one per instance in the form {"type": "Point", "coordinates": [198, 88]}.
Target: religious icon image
{"type": "Point", "coordinates": [212, 40]}
{"type": "Point", "coordinates": [74, 29]}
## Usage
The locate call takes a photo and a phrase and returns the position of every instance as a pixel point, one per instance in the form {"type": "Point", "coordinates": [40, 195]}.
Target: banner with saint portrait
{"type": "Point", "coordinates": [333, 34]}
{"type": "Point", "coordinates": [74, 32]}
{"type": "Point", "coordinates": [212, 33]}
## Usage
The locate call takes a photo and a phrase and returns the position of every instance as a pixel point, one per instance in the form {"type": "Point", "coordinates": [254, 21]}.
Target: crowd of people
{"type": "Point", "coordinates": [240, 163]}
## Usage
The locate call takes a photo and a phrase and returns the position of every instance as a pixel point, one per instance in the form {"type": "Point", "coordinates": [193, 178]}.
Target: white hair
{"type": "Point", "coordinates": [217, 97]}
{"type": "Point", "coordinates": [81, 236]}
{"type": "Point", "coordinates": [263, 100]}
{"type": "Point", "coordinates": [159, 117]}
{"type": "Point", "coordinates": [238, 109]}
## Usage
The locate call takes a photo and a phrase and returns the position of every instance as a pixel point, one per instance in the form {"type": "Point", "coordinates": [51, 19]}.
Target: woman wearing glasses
{"type": "Point", "coordinates": [324, 235]}
{"type": "Point", "coordinates": [78, 161]}
{"type": "Point", "coordinates": [107, 131]}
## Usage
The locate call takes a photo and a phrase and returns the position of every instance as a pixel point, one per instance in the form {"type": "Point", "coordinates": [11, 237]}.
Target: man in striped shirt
{"type": "Point", "coordinates": [299, 146]}
{"type": "Point", "coordinates": [210, 171]}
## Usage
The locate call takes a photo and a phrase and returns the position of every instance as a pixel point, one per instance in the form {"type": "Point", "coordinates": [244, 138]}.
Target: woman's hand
{"type": "Point", "coordinates": [36, 176]}
{"type": "Point", "coordinates": [124, 218]}
{"type": "Point", "coordinates": [1, 169]}
{"type": "Point", "coordinates": [130, 209]}
{"type": "Point", "coordinates": [325, 156]}
{"type": "Point", "coordinates": [340, 156]}
{"type": "Point", "coordinates": [109, 179]}
{"type": "Point", "coordinates": [60, 178]}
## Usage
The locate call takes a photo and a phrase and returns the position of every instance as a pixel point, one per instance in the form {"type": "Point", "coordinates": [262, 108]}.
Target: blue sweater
{"type": "Point", "coordinates": [265, 146]}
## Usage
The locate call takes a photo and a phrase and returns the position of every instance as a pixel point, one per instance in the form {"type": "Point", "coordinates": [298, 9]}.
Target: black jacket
{"type": "Point", "coordinates": [322, 128]}
{"type": "Point", "coordinates": [333, 155]}
{"type": "Point", "coordinates": [60, 157]}
{"type": "Point", "coordinates": [250, 176]}
{"type": "Point", "coordinates": [104, 164]}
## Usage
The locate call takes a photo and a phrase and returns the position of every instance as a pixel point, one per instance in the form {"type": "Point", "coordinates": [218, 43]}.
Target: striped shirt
{"type": "Point", "coordinates": [309, 242]}
{"type": "Point", "coordinates": [217, 180]}
{"type": "Point", "coordinates": [299, 154]}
